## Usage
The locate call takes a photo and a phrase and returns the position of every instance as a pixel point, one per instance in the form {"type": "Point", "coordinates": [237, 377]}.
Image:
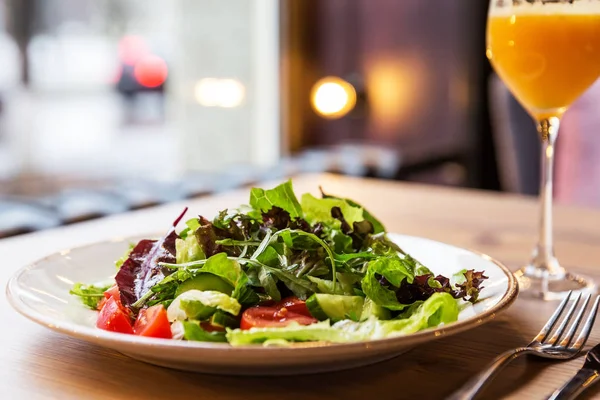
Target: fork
{"type": "Point", "coordinates": [543, 345]}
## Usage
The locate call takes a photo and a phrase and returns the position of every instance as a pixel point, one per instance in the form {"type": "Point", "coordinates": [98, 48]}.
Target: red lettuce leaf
{"type": "Point", "coordinates": [420, 289]}
{"type": "Point", "coordinates": [359, 231]}
{"type": "Point", "coordinates": [141, 270]}
{"type": "Point", "coordinates": [280, 219]}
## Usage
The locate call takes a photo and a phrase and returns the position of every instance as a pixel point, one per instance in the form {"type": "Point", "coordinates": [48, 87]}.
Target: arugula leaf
{"type": "Point", "coordinates": [269, 257]}
{"type": "Point", "coordinates": [319, 210]}
{"type": "Point", "coordinates": [301, 287]}
{"type": "Point", "coordinates": [90, 295]}
{"type": "Point", "coordinates": [267, 281]}
{"type": "Point", "coordinates": [164, 291]}
{"type": "Point", "coordinates": [281, 196]}
{"type": "Point", "coordinates": [248, 296]}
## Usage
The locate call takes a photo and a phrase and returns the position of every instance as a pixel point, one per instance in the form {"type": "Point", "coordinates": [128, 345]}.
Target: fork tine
{"type": "Point", "coordinates": [565, 321]}
{"type": "Point", "coordinates": [552, 321]}
{"type": "Point", "coordinates": [587, 328]}
{"type": "Point", "coordinates": [575, 325]}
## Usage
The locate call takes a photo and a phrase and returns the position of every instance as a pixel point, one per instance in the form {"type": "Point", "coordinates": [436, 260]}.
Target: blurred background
{"type": "Point", "coordinates": [113, 105]}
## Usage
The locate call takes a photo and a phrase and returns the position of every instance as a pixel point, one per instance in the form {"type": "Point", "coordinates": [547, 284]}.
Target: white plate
{"type": "Point", "coordinates": [40, 292]}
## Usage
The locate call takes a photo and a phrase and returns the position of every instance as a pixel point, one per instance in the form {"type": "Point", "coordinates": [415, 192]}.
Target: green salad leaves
{"type": "Point", "coordinates": [282, 270]}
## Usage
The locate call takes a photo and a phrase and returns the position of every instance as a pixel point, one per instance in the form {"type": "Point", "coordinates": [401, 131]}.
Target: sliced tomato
{"type": "Point", "coordinates": [114, 317]}
{"type": "Point", "coordinates": [101, 304]}
{"type": "Point", "coordinates": [263, 317]}
{"type": "Point", "coordinates": [294, 304]}
{"type": "Point", "coordinates": [112, 292]}
{"type": "Point", "coordinates": [153, 322]}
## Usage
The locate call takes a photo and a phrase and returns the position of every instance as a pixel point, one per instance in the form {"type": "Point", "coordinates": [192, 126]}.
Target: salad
{"type": "Point", "coordinates": [277, 271]}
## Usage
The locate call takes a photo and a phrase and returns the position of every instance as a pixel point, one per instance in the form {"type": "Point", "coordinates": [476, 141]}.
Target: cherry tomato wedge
{"type": "Point", "coordinates": [153, 322]}
{"type": "Point", "coordinates": [114, 317]}
{"type": "Point", "coordinates": [263, 317]}
{"type": "Point", "coordinates": [293, 304]}
{"type": "Point", "coordinates": [112, 292]}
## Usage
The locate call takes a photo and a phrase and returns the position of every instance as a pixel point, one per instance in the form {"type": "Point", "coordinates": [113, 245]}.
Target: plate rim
{"type": "Point", "coordinates": [109, 339]}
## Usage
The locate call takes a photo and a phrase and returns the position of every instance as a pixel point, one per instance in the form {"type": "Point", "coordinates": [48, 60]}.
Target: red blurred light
{"type": "Point", "coordinates": [132, 49]}
{"type": "Point", "coordinates": [150, 71]}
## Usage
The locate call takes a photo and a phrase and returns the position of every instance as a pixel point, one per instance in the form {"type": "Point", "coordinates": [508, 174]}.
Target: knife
{"type": "Point", "coordinates": [583, 379]}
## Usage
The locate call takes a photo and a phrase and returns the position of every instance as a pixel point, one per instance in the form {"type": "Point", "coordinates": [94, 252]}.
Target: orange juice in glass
{"type": "Point", "coordinates": [547, 53]}
{"type": "Point", "coordinates": [547, 56]}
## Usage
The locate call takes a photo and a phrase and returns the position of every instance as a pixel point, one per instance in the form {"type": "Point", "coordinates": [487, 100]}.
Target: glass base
{"type": "Point", "coordinates": [540, 284]}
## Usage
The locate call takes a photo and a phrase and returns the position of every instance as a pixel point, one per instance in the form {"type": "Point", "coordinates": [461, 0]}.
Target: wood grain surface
{"type": "Point", "coordinates": [36, 363]}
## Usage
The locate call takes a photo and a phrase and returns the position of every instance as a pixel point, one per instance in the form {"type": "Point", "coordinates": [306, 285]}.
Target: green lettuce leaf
{"type": "Point", "coordinates": [342, 243]}
{"type": "Point", "coordinates": [281, 196]}
{"type": "Point", "coordinates": [188, 249]}
{"type": "Point", "coordinates": [193, 331]}
{"type": "Point", "coordinates": [458, 278]}
{"type": "Point", "coordinates": [395, 270]}
{"type": "Point", "coordinates": [326, 286]}
{"type": "Point", "coordinates": [201, 304]}
{"type": "Point", "coordinates": [439, 308]}
{"type": "Point", "coordinates": [320, 331]}
{"type": "Point", "coordinates": [319, 210]}
{"type": "Point", "coordinates": [377, 225]}
{"type": "Point", "coordinates": [229, 270]}
{"type": "Point", "coordinates": [191, 226]}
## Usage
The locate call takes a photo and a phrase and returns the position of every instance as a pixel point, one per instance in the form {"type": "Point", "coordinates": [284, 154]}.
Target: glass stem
{"type": "Point", "coordinates": [544, 261]}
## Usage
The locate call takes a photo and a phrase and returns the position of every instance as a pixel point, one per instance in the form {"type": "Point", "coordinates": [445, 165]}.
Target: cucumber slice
{"type": "Point", "coordinates": [223, 320]}
{"type": "Point", "coordinates": [205, 281]}
{"type": "Point", "coordinates": [335, 307]}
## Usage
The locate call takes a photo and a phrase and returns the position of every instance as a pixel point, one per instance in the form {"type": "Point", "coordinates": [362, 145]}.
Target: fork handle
{"type": "Point", "coordinates": [584, 378]}
{"type": "Point", "coordinates": [479, 381]}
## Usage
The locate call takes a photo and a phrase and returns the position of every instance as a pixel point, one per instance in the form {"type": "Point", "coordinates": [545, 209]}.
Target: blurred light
{"type": "Point", "coordinates": [213, 92]}
{"type": "Point", "coordinates": [396, 90]}
{"type": "Point", "coordinates": [333, 97]}
{"type": "Point", "coordinates": [150, 71]}
{"type": "Point", "coordinates": [132, 48]}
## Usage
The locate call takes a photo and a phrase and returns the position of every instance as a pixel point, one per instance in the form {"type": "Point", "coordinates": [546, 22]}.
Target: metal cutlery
{"type": "Point", "coordinates": [544, 345]}
{"type": "Point", "coordinates": [583, 379]}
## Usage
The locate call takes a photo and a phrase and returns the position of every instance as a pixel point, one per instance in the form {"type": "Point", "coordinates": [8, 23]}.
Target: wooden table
{"type": "Point", "coordinates": [36, 363]}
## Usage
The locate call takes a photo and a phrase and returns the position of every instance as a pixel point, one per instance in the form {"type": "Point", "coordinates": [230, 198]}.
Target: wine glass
{"type": "Point", "coordinates": [547, 52]}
